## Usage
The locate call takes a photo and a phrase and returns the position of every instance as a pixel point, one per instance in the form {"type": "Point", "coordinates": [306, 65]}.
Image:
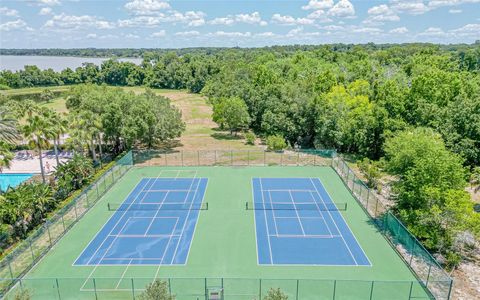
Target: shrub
{"type": "Point", "coordinates": [276, 143]}
{"type": "Point", "coordinates": [22, 294]}
{"type": "Point", "coordinates": [275, 294]}
{"type": "Point", "coordinates": [371, 172]}
{"type": "Point", "coordinates": [250, 137]}
{"type": "Point", "coordinates": [157, 290]}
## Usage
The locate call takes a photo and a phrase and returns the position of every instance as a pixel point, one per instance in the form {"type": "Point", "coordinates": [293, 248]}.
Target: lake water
{"type": "Point", "coordinates": [57, 63]}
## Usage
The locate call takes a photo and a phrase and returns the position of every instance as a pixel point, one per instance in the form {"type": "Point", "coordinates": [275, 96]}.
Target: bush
{"type": "Point", "coordinates": [371, 172]}
{"type": "Point", "coordinates": [276, 143]}
{"type": "Point", "coordinates": [157, 290]}
{"type": "Point", "coordinates": [275, 294]}
{"type": "Point", "coordinates": [250, 137]}
{"type": "Point", "coordinates": [22, 294]}
{"type": "Point", "coordinates": [4, 87]}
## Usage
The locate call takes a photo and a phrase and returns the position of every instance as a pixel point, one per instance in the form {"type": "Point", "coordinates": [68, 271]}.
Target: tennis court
{"type": "Point", "coordinates": [153, 226]}
{"type": "Point", "coordinates": [297, 223]}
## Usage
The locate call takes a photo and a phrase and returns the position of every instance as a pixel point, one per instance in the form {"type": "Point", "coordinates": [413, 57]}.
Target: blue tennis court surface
{"type": "Point", "coordinates": [298, 224]}
{"type": "Point", "coordinates": [153, 226]}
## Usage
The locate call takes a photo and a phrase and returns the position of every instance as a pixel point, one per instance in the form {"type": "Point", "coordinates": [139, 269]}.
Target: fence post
{"type": "Point", "coordinates": [371, 290]}
{"type": "Point", "coordinates": [298, 157]}
{"type": "Point", "coordinates": [75, 209]}
{"type": "Point", "coordinates": [281, 158]}
{"type": "Point", "coordinates": [166, 162]}
{"type": "Point", "coordinates": [181, 155]}
{"type": "Point", "coordinates": [133, 289]}
{"type": "Point", "coordinates": [31, 249]}
{"type": "Point", "coordinates": [410, 292]}
{"type": "Point", "coordinates": [248, 157]}
{"type": "Point", "coordinates": [96, 188]}
{"type": "Point", "coordinates": [231, 157]}
{"type": "Point", "coordinates": [296, 295]}
{"type": "Point", "coordinates": [264, 158]}
{"type": "Point", "coordinates": [368, 196]}
{"type": "Point", "coordinates": [376, 206]}
{"type": "Point", "coordinates": [113, 176]}
{"type": "Point", "coordinates": [428, 276]}
{"type": "Point", "coordinates": [95, 289]}
{"type": "Point", "coordinates": [215, 156]}
{"type": "Point", "coordinates": [314, 160]}
{"type": "Point", "coordinates": [206, 291]}
{"type": "Point", "coordinates": [334, 289]}
{"type": "Point", "coordinates": [48, 231]}
{"type": "Point", "coordinates": [260, 289]}
{"type": "Point", "coordinates": [10, 269]}
{"type": "Point", "coordinates": [169, 287]}
{"type": "Point", "coordinates": [58, 288]}
{"type": "Point", "coordinates": [450, 290]}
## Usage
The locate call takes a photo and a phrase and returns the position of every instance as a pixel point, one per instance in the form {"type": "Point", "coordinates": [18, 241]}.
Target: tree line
{"type": "Point", "coordinates": [411, 110]}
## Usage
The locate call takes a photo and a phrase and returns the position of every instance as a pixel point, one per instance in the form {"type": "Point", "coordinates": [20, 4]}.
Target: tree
{"type": "Point", "coordinates": [8, 127]}
{"type": "Point", "coordinates": [276, 143]}
{"type": "Point", "coordinates": [58, 125]}
{"type": "Point", "coordinates": [275, 294]}
{"type": "Point", "coordinates": [6, 155]}
{"type": "Point", "coordinates": [36, 131]}
{"type": "Point", "coordinates": [232, 113]}
{"type": "Point", "coordinates": [46, 95]}
{"type": "Point", "coordinates": [371, 172]}
{"type": "Point", "coordinates": [157, 290]}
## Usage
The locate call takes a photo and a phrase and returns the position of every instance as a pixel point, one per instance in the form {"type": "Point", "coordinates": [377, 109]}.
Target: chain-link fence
{"type": "Point", "coordinates": [226, 288]}
{"type": "Point", "coordinates": [233, 158]}
{"type": "Point", "coordinates": [430, 274]}
{"type": "Point", "coordinates": [28, 252]}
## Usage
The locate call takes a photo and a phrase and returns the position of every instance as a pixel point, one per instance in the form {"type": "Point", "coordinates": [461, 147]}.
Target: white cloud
{"type": "Point", "coordinates": [45, 11]}
{"type": "Point", "coordinates": [412, 7]}
{"type": "Point", "coordinates": [5, 11]}
{"type": "Point", "coordinates": [399, 30]}
{"type": "Point", "coordinates": [289, 20]}
{"type": "Point", "coordinates": [380, 14]}
{"type": "Point", "coordinates": [187, 33]}
{"type": "Point", "coordinates": [158, 34]}
{"type": "Point", "coordinates": [267, 34]}
{"type": "Point", "coordinates": [441, 3]}
{"type": "Point", "coordinates": [191, 18]}
{"type": "Point", "coordinates": [146, 7]}
{"type": "Point", "coordinates": [320, 16]}
{"type": "Point", "coordinates": [318, 4]}
{"type": "Point", "coordinates": [433, 32]}
{"type": "Point", "coordinates": [469, 30]}
{"type": "Point", "coordinates": [253, 18]}
{"type": "Point", "coordinates": [49, 2]}
{"type": "Point", "coordinates": [371, 30]}
{"type": "Point", "coordinates": [454, 11]}
{"type": "Point", "coordinates": [14, 25]}
{"type": "Point", "coordinates": [342, 9]}
{"type": "Point", "coordinates": [91, 36]}
{"type": "Point", "coordinates": [65, 21]}
{"type": "Point", "coordinates": [299, 33]}
{"type": "Point", "coordinates": [230, 34]}
{"type": "Point", "coordinates": [132, 36]}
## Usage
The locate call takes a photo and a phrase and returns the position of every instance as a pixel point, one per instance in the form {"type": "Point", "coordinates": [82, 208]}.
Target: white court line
{"type": "Point", "coordinates": [123, 275]}
{"type": "Point", "coordinates": [287, 190]}
{"type": "Point", "coordinates": [312, 236]}
{"type": "Point", "coordinates": [156, 213]}
{"type": "Point", "coordinates": [348, 248]}
{"type": "Point", "coordinates": [188, 215]}
{"type": "Point", "coordinates": [316, 218]}
{"type": "Point", "coordinates": [266, 223]}
{"type": "Point", "coordinates": [99, 262]}
{"type": "Point", "coordinates": [321, 213]}
{"type": "Point", "coordinates": [273, 213]}
{"type": "Point", "coordinates": [296, 212]}
{"type": "Point", "coordinates": [142, 236]}
{"type": "Point", "coordinates": [165, 251]}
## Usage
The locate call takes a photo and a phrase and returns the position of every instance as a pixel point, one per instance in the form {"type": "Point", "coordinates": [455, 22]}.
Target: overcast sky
{"type": "Point", "coordinates": [174, 24]}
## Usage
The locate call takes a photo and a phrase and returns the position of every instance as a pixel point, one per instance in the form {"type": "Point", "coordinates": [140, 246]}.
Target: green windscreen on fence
{"type": "Point", "coordinates": [430, 274]}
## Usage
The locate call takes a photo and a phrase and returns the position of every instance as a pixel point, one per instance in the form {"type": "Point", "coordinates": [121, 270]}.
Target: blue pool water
{"type": "Point", "coordinates": [12, 180]}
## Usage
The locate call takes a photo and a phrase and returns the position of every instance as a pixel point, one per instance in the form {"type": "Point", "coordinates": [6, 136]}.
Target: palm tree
{"type": "Point", "coordinates": [89, 126]}
{"type": "Point", "coordinates": [58, 126]}
{"type": "Point", "coordinates": [36, 131]}
{"type": "Point", "coordinates": [6, 155]}
{"type": "Point", "coordinates": [8, 128]}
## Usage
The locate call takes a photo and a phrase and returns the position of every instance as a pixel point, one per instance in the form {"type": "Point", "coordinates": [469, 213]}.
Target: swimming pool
{"type": "Point", "coordinates": [13, 179]}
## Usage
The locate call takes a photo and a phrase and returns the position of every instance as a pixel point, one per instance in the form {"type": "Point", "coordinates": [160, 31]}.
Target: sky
{"type": "Point", "coordinates": [229, 23]}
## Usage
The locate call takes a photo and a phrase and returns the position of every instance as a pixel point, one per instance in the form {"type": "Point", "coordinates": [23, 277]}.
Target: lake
{"type": "Point", "coordinates": [57, 63]}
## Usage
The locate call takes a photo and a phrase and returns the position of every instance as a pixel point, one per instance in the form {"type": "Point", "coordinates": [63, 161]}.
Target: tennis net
{"type": "Point", "coordinates": [295, 206]}
{"type": "Point", "coordinates": [156, 206]}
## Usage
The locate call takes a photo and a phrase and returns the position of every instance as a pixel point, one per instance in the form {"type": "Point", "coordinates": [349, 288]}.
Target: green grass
{"type": "Point", "coordinates": [224, 246]}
